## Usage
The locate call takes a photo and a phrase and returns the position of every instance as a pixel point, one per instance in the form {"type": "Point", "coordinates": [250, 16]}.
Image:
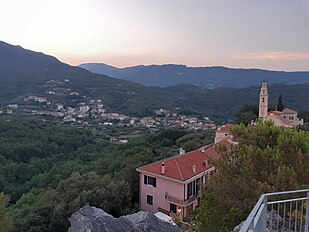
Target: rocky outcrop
{"type": "Point", "coordinates": [91, 219]}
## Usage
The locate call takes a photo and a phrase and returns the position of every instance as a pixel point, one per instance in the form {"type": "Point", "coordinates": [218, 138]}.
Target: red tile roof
{"type": "Point", "coordinates": [180, 167]}
{"type": "Point", "coordinates": [279, 115]}
{"type": "Point", "coordinates": [226, 128]}
{"type": "Point", "coordinates": [275, 112]}
{"type": "Point", "coordinates": [228, 142]}
{"type": "Point", "coordinates": [289, 111]}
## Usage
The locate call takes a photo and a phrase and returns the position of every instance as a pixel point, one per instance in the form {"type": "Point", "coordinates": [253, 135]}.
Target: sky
{"type": "Point", "coordinates": [268, 34]}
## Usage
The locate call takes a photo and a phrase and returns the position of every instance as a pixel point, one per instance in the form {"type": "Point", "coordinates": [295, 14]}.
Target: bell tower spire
{"type": "Point", "coordinates": [263, 106]}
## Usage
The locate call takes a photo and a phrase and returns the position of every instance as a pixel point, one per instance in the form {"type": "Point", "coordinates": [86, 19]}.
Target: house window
{"type": "Point", "coordinates": [191, 189]}
{"type": "Point", "coordinates": [149, 200]}
{"type": "Point", "coordinates": [194, 187]}
{"type": "Point", "coordinates": [198, 184]}
{"type": "Point", "coordinates": [173, 208]}
{"type": "Point", "coordinates": [148, 180]}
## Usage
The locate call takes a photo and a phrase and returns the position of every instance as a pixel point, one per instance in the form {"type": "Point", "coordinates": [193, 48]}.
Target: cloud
{"type": "Point", "coordinates": [274, 56]}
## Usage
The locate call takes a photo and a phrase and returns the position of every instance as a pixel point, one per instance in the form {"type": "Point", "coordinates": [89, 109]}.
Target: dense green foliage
{"type": "Point", "coordinates": [51, 210]}
{"type": "Point", "coordinates": [304, 115]}
{"type": "Point", "coordinates": [5, 220]}
{"type": "Point", "coordinates": [247, 114]}
{"type": "Point", "coordinates": [51, 171]}
{"type": "Point", "coordinates": [267, 159]}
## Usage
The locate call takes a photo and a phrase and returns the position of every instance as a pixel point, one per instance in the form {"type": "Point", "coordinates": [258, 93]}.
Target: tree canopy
{"type": "Point", "coordinates": [51, 171]}
{"type": "Point", "coordinates": [267, 159]}
{"type": "Point", "coordinates": [280, 105]}
{"type": "Point", "coordinates": [247, 114]}
{"type": "Point", "coordinates": [5, 220]}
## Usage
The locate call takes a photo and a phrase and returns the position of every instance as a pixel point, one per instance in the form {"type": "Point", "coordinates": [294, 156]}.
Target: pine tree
{"type": "Point", "coordinates": [280, 106]}
{"type": "Point", "coordinates": [266, 159]}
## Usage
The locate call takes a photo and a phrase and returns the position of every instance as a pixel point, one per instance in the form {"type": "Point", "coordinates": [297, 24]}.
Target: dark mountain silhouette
{"type": "Point", "coordinates": [23, 71]}
{"type": "Point", "coordinates": [209, 77]}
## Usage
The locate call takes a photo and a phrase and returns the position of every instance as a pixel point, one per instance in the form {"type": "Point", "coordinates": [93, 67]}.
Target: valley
{"type": "Point", "coordinates": [25, 74]}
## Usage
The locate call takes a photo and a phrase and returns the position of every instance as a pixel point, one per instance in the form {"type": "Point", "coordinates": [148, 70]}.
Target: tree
{"type": "Point", "coordinates": [280, 105]}
{"type": "Point", "coordinates": [267, 159]}
{"type": "Point", "coordinates": [247, 114]}
{"type": "Point", "coordinates": [190, 145]}
{"type": "Point", "coordinates": [52, 210]}
{"type": "Point", "coordinates": [103, 192]}
{"type": "Point", "coordinates": [35, 213]}
{"type": "Point", "coordinates": [196, 139]}
{"type": "Point", "coordinates": [5, 220]}
{"type": "Point", "coordinates": [304, 115]}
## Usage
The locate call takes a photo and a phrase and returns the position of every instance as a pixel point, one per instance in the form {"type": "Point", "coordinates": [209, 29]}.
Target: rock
{"type": "Point", "coordinates": [91, 219]}
{"type": "Point", "coordinates": [145, 221]}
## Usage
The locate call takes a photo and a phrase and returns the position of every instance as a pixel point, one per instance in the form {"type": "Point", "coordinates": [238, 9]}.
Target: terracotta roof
{"type": "Point", "coordinates": [228, 142]}
{"type": "Point", "coordinates": [280, 117]}
{"type": "Point", "coordinates": [289, 111]}
{"type": "Point", "coordinates": [285, 121]}
{"type": "Point", "coordinates": [226, 128]}
{"type": "Point", "coordinates": [180, 167]}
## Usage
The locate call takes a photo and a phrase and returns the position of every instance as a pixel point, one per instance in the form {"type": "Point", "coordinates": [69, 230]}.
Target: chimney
{"type": "Point", "coordinates": [181, 151]}
{"type": "Point", "coordinates": [206, 163]}
{"type": "Point", "coordinates": [194, 168]}
{"type": "Point", "coordinates": [163, 168]}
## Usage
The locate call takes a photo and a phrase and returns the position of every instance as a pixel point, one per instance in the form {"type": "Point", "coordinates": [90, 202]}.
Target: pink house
{"type": "Point", "coordinates": [173, 185]}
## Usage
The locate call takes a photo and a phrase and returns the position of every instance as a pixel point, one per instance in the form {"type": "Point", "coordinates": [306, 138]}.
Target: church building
{"type": "Point", "coordinates": [287, 117]}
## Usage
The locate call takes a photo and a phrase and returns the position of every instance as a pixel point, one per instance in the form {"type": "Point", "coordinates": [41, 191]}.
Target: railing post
{"type": "Point", "coordinates": [307, 213]}
{"type": "Point", "coordinates": [251, 227]}
{"type": "Point", "coordinates": [264, 214]}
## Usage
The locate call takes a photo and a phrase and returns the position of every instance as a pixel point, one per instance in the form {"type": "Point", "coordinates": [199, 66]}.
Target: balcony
{"type": "Point", "coordinates": [280, 211]}
{"type": "Point", "coordinates": [182, 202]}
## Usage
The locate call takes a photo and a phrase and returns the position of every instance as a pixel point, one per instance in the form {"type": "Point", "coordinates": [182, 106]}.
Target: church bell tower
{"type": "Point", "coordinates": [263, 106]}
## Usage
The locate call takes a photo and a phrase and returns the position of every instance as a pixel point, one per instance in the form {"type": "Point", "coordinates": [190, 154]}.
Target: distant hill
{"type": "Point", "coordinates": [121, 73]}
{"type": "Point", "coordinates": [24, 72]}
{"type": "Point", "coordinates": [209, 77]}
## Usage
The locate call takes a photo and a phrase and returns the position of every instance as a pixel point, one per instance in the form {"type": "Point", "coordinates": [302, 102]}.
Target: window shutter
{"type": "Point", "coordinates": [145, 179]}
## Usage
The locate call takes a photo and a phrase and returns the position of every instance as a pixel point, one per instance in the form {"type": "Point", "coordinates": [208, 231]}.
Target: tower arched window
{"type": "Point", "coordinates": [263, 100]}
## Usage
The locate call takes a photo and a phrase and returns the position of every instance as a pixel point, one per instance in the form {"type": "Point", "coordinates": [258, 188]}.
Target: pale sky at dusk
{"type": "Point", "coordinates": [269, 34]}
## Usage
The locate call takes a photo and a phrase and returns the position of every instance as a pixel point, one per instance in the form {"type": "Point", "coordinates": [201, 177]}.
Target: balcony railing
{"type": "Point", "coordinates": [182, 202]}
{"type": "Point", "coordinates": [280, 211]}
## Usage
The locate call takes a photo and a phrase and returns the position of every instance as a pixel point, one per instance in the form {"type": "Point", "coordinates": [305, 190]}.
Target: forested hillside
{"type": "Point", "coordinates": [207, 77]}
{"type": "Point", "coordinates": [48, 171]}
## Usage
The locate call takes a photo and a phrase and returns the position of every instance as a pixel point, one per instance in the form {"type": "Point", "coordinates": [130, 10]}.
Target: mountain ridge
{"type": "Point", "coordinates": [21, 75]}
